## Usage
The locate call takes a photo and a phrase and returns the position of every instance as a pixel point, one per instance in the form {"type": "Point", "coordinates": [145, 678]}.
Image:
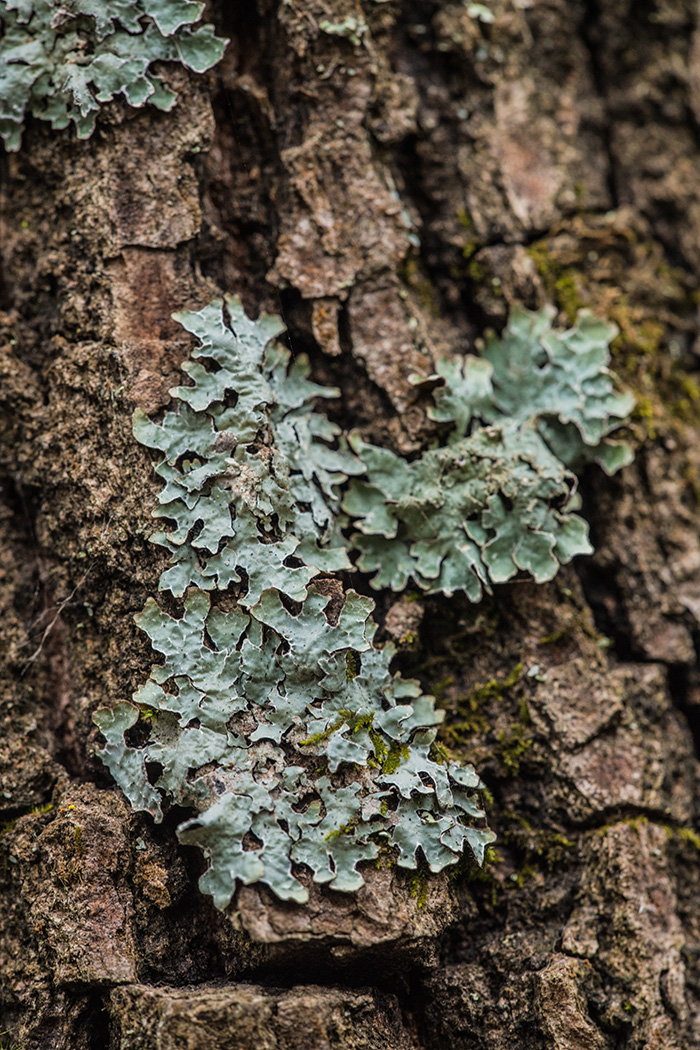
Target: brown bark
{"type": "Point", "coordinates": [391, 197]}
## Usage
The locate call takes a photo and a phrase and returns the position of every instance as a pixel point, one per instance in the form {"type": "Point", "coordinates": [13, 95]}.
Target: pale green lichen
{"type": "Point", "coordinates": [62, 62]}
{"type": "Point", "coordinates": [273, 715]}
{"type": "Point", "coordinates": [351, 27]}
{"type": "Point", "coordinates": [499, 497]}
{"type": "Point", "coordinates": [481, 12]}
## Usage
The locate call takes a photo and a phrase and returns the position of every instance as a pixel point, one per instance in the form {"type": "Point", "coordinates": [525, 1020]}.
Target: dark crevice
{"type": "Point", "coordinates": [590, 34]}
{"type": "Point", "coordinates": [361, 401]}
{"type": "Point", "coordinates": [620, 814]}
{"type": "Point", "coordinates": [383, 968]}
{"type": "Point", "coordinates": [608, 608]}
{"type": "Point", "coordinates": [46, 656]}
{"type": "Point", "coordinates": [20, 505]}
{"type": "Point", "coordinates": [680, 692]}
{"type": "Point", "coordinates": [94, 1020]}
{"type": "Point", "coordinates": [605, 598]}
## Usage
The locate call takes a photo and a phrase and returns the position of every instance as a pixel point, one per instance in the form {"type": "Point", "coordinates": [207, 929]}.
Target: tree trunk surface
{"type": "Point", "coordinates": [390, 191]}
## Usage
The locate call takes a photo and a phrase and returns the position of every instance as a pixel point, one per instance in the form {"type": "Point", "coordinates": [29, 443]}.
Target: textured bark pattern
{"type": "Point", "coordinates": [248, 1016]}
{"type": "Point", "coordinates": [391, 194]}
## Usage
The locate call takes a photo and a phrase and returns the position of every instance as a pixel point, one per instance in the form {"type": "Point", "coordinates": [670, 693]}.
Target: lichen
{"type": "Point", "coordinates": [481, 12]}
{"type": "Point", "coordinates": [61, 63]}
{"type": "Point", "coordinates": [499, 497]}
{"type": "Point", "coordinates": [614, 268]}
{"type": "Point", "coordinates": [352, 27]}
{"type": "Point", "coordinates": [273, 714]}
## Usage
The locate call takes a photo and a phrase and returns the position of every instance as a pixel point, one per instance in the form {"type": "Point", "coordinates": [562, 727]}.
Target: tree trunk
{"type": "Point", "coordinates": [390, 176]}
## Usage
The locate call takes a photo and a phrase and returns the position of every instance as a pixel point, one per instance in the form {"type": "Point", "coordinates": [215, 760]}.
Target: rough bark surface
{"type": "Point", "coordinates": [391, 192]}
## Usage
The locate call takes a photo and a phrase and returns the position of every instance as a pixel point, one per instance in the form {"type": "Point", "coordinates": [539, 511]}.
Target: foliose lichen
{"type": "Point", "coordinates": [273, 714]}
{"type": "Point", "coordinates": [500, 496]}
{"type": "Point", "coordinates": [62, 62]}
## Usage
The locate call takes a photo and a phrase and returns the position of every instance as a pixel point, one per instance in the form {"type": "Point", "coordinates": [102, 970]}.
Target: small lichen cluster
{"type": "Point", "coordinates": [62, 62]}
{"type": "Point", "coordinates": [273, 714]}
{"type": "Point", "coordinates": [499, 497]}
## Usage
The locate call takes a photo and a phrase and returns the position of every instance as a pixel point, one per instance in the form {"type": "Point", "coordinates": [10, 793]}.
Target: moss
{"type": "Point", "coordinates": [69, 866]}
{"type": "Point", "coordinates": [439, 753]}
{"type": "Point", "coordinates": [385, 860]}
{"type": "Point", "coordinates": [674, 832]}
{"type": "Point", "coordinates": [380, 749]}
{"type": "Point", "coordinates": [567, 293]}
{"type": "Point", "coordinates": [474, 873]}
{"type": "Point", "coordinates": [354, 721]}
{"type": "Point", "coordinates": [8, 827]}
{"type": "Point", "coordinates": [68, 873]}
{"type": "Point", "coordinates": [344, 829]}
{"type": "Point", "coordinates": [472, 244]}
{"type": "Point", "coordinates": [359, 722]}
{"type": "Point", "coordinates": [439, 688]}
{"type": "Point", "coordinates": [632, 822]}
{"type": "Point", "coordinates": [495, 688]}
{"type": "Point", "coordinates": [419, 888]}
{"type": "Point", "coordinates": [350, 666]}
{"type": "Point", "coordinates": [645, 413]}
{"type": "Point", "coordinates": [317, 738]}
{"type": "Point", "coordinates": [557, 636]}
{"type": "Point", "coordinates": [574, 621]}
{"type": "Point", "coordinates": [476, 272]}
{"type": "Point", "coordinates": [510, 748]}
{"type": "Point", "coordinates": [414, 277]}
{"type": "Point", "coordinates": [78, 840]}
{"type": "Point", "coordinates": [538, 849]}
{"type": "Point", "coordinates": [40, 810]}
{"type": "Point", "coordinates": [688, 835]}
{"type": "Point", "coordinates": [527, 871]}
{"type": "Point", "coordinates": [691, 391]}
{"type": "Point", "coordinates": [475, 723]}
{"type": "Point", "coordinates": [470, 706]}
{"type": "Point", "coordinates": [393, 760]}
{"type": "Point", "coordinates": [542, 258]}
{"type": "Point", "coordinates": [685, 835]}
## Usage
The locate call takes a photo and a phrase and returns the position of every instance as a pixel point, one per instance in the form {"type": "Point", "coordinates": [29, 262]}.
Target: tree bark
{"type": "Point", "coordinates": [390, 176]}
